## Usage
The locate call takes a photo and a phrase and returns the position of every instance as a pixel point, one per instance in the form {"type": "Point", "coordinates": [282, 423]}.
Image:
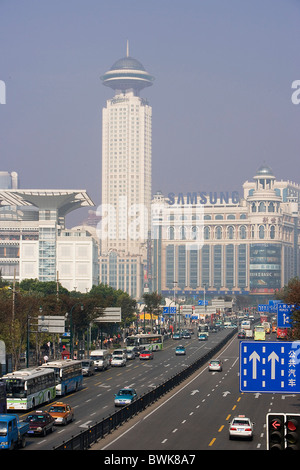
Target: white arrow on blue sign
{"type": "Point", "coordinates": [270, 367]}
{"type": "Point", "coordinates": [284, 315]}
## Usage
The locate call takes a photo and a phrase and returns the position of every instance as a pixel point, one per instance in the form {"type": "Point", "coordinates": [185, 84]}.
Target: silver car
{"type": "Point", "coordinates": [215, 364]}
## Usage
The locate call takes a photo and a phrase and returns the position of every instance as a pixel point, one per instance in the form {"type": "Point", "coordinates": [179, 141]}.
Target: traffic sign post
{"type": "Point", "coordinates": [270, 367]}
{"type": "Point", "coordinates": [283, 315]}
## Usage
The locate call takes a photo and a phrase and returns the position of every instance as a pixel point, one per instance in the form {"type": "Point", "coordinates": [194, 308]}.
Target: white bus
{"type": "Point", "coordinates": [152, 342]}
{"type": "Point", "coordinates": [68, 375]}
{"type": "Point", "coordinates": [28, 388]}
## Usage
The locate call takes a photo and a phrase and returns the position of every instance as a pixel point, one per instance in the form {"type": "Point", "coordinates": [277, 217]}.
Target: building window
{"type": "Point", "coordinates": [218, 233]}
{"type": "Point", "coordinates": [243, 232]}
{"type": "Point", "coordinates": [206, 233]}
{"type": "Point", "coordinates": [230, 232]}
{"type": "Point", "coordinates": [272, 232]}
{"type": "Point", "coordinates": [261, 232]}
{"type": "Point", "coordinates": [262, 207]}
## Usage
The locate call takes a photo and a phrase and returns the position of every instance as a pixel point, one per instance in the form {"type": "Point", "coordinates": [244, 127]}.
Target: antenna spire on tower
{"type": "Point", "coordinates": [127, 49]}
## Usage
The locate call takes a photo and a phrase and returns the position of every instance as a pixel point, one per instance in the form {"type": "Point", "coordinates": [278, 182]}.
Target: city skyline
{"type": "Point", "coordinates": [221, 103]}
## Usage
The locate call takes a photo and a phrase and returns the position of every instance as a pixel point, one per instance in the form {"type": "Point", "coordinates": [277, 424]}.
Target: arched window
{"type": "Point", "coordinates": [243, 232]}
{"type": "Point", "coordinates": [262, 207]}
{"type": "Point", "coordinates": [171, 233]}
{"type": "Point", "coordinates": [261, 231]}
{"type": "Point", "coordinates": [230, 232]}
{"type": "Point", "coordinates": [253, 207]}
{"type": "Point", "coordinates": [182, 233]}
{"type": "Point", "coordinates": [218, 233]}
{"type": "Point", "coordinates": [206, 233]}
{"type": "Point", "coordinates": [194, 232]}
{"type": "Point", "coordinates": [272, 232]}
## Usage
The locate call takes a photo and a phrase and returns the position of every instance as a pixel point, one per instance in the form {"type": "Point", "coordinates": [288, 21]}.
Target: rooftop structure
{"type": "Point", "coordinates": [127, 74]}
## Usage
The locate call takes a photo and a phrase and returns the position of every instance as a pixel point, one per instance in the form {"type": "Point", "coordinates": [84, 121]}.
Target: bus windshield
{"type": "Point", "coordinates": [15, 388]}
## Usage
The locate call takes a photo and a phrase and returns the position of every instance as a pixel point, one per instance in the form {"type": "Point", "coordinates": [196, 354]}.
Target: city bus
{"type": "Point", "coordinates": [259, 333]}
{"type": "Point", "coordinates": [28, 388]}
{"type": "Point", "coordinates": [152, 342]}
{"type": "Point", "coordinates": [68, 375]}
{"type": "Point", "coordinates": [2, 398]}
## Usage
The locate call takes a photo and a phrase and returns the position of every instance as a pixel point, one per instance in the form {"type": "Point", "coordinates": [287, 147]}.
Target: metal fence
{"type": "Point", "coordinates": [85, 439]}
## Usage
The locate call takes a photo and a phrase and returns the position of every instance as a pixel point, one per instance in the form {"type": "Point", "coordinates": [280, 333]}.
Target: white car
{"type": "Point", "coordinates": [215, 364]}
{"type": "Point", "coordinates": [242, 427]}
{"type": "Point", "coordinates": [118, 361]}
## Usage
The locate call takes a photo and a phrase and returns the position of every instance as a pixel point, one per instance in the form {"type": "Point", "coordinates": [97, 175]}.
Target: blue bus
{"type": "Point", "coordinates": [68, 375]}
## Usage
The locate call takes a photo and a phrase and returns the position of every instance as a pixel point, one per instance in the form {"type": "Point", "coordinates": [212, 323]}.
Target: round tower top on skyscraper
{"type": "Point", "coordinates": [127, 74]}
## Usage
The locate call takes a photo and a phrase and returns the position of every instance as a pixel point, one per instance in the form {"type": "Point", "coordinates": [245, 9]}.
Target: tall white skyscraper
{"type": "Point", "coordinates": [126, 160]}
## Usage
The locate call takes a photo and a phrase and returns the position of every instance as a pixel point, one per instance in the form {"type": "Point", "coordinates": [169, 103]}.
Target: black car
{"type": "Point", "coordinates": [241, 334]}
{"type": "Point", "coordinates": [40, 422]}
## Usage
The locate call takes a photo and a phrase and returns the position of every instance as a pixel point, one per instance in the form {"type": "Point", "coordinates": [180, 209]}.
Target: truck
{"type": "Point", "coordinates": [12, 431]}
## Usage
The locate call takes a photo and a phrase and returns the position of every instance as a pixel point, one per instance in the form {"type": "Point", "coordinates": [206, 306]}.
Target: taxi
{"type": "Point", "coordinates": [202, 337]}
{"type": "Point", "coordinates": [180, 351]}
{"type": "Point", "coordinates": [125, 396]}
{"type": "Point", "coordinates": [145, 354]}
{"type": "Point", "coordinates": [62, 413]}
{"type": "Point", "coordinates": [242, 427]}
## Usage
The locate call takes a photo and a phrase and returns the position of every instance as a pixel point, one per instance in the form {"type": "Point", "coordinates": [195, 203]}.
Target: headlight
{"type": "Point", "coordinates": [39, 429]}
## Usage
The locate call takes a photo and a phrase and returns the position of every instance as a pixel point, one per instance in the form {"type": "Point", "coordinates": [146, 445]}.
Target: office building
{"type": "Point", "coordinates": [126, 175]}
{"type": "Point", "coordinates": [225, 243]}
{"type": "Point", "coordinates": [34, 243]}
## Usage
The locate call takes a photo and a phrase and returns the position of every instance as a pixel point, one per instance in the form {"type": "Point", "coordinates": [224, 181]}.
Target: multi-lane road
{"type": "Point", "coordinates": [194, 416]}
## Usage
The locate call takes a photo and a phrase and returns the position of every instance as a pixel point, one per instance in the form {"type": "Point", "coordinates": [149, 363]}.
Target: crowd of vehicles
{"type": "Point", "coordinates": [27, 389]}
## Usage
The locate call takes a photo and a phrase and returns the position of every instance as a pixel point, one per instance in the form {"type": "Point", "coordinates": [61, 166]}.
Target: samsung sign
{"type": "Point", "coordinates": [204, 198]}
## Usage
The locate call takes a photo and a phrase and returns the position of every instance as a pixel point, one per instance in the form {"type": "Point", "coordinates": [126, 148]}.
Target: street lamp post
{"type": "Point", "coordinates": [71, 327]}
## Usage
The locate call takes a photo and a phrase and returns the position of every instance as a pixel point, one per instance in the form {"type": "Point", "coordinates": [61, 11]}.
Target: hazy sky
{"type": "Point", "coordinates": [221, 99]}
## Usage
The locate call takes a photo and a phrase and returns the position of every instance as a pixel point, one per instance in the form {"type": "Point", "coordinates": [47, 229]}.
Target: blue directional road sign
{"type": "Point", "coordinates": [283, 315]}
{"type": "Point", "coordinates": [169, 310]}
{"type": "Point", "coordinates": [263, 307]}
{"type": "Point", "coordinates": [270, 367]}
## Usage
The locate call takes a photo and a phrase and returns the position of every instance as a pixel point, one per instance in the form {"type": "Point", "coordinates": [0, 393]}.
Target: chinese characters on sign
{"type": "Point", "coordinates": [284, 315]}
{"type": "Point", "coordinates": [270, 367]}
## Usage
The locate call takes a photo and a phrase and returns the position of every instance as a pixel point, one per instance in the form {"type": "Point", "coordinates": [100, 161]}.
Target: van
{"type": "Point", "coordinates": [101, 358]}
{"type": "Point", "coordinates": [88, 367]}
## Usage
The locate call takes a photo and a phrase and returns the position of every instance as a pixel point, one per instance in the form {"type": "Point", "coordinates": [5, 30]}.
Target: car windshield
{"type": "Point", "coordinates": [57, 409]}
{"type": "Point", "coordinates": [215, 362]}
{"type": "Point", "coordinates": [3, 428]}
{"type": "Point", "coordinates": [125, 392]}
{"type": "Point", "coordinates": [36, 418]}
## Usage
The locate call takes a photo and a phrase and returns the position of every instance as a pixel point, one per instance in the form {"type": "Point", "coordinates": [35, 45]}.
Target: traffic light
{"type": "Point", "coordinates": [275, 431]}
{"type": "Point", "coordinates": [283, 431]}
{"type": "Point", "coordinates": [292, 431]}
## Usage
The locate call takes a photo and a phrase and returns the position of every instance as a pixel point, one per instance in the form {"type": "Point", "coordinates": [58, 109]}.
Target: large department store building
{"type": "Point", "coordinates": [222, 243]}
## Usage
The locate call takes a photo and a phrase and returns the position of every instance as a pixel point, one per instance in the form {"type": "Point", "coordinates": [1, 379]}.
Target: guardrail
{"type": "Point", "coordinates": [85, 439]}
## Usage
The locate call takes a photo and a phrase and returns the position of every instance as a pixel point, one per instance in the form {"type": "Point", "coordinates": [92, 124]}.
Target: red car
{"type": "Point", "coordinates": [146, 354]}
